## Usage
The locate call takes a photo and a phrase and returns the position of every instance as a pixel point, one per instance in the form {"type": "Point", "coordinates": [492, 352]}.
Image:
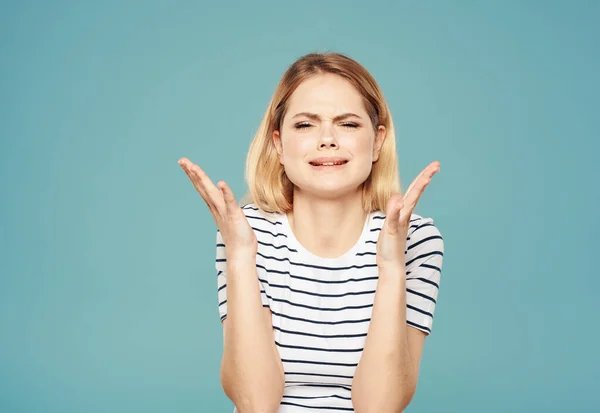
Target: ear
{"type": "Point", "coordinates": [278, 145]}
{"type": "Point", "coordinates": [378, 141]}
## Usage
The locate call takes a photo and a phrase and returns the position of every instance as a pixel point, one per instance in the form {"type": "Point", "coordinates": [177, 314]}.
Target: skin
{"type": "Point", "coordinates": [326, 202]}
{"type": "Point", "coordinates": [252, 374]}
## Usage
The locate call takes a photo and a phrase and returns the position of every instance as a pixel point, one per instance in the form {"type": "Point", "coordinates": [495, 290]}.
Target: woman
{"type": "Point", "coordinates": [327, 280]}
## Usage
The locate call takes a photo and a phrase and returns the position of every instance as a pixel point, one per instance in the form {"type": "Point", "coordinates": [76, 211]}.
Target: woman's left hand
{"type": "Point", "coordinates": [391, 244]}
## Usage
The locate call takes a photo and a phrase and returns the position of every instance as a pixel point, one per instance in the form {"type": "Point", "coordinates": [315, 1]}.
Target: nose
{"type": "Point", "coordinates": [327, 138]}
{"type": "Point", "coordinates": [327, 142]}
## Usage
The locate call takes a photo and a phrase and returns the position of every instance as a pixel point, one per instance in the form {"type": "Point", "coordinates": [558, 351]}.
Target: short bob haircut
{"type": "Point", "coordinates": [268, 185]}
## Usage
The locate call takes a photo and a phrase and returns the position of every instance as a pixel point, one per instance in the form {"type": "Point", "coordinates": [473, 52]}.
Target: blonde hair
{"type": "Point", "coordinates": [268, 185]}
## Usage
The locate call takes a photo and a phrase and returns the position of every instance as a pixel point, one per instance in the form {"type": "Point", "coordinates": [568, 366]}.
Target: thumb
{"type": "Point", "coordinates": [394, 206]}
{"type": "Point", "coordinates": [230, 202]}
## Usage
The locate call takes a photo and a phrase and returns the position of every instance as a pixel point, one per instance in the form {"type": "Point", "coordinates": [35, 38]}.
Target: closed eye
{"type": "Point", "coordinates": [304, 125]}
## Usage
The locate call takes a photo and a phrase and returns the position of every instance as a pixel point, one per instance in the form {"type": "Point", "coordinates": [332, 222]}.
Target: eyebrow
{"type": "Point", "coordinates": [314, 116]}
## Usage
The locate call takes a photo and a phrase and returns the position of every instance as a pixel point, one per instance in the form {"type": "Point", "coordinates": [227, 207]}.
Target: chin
{"type": "Point", "coordinates": [328, 187]}
{"type": "Point", "coordinates": [329, 190]}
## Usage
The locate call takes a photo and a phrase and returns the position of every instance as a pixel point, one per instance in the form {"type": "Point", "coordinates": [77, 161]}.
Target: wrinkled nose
{"type": "Point", "coordinates": [328, 139]}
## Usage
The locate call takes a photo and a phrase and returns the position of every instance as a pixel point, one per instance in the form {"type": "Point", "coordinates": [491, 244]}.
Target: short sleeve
{"type": "Point", "coordinates": [221, 267]}
{"type": "Point", "coordinates": [424, 257]}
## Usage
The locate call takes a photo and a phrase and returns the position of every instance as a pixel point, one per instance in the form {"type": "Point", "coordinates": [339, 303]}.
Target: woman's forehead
{"type": "Point", "coordinates": [326, 98]}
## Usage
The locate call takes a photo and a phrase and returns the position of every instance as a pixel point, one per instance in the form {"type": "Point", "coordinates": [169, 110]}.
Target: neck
{"type": "Point", "coordinates": [327, 228]}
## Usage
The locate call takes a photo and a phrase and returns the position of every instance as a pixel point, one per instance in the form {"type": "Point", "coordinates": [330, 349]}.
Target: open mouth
{"type": "Point", "coordinates": [336, 163]}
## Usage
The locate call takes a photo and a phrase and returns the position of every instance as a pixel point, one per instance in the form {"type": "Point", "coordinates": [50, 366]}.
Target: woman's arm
{"type": "Point", "coordinates": [251, 369]}
{"type": "Point", "coordinates": [386, 377]}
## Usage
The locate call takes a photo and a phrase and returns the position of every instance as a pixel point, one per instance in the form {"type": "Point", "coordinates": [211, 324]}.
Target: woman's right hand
{"type": "Point", "coordinates": [237, 233]}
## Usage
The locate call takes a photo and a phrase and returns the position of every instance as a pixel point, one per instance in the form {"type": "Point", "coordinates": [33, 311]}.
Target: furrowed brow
{"type": "Point", "coordinates": [314, 116]}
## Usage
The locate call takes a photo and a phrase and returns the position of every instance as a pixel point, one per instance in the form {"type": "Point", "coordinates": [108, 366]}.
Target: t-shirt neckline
{"type": "Point", "coordinates": [315, 258]}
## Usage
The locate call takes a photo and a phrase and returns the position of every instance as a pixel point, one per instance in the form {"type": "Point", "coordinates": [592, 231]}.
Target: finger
{"type": "Point", "coordinates": [193, 178]}
{"type": "Point", "coordinates": [394, 206]}
{"type": "Point", "coordinates": [428, 171]}
{"type": "Point", "coordinates": [186, 165]}
{"type": "Point", "coordinates": [413, 197]}
{"type": "Point", "coordinates": [214, 194]}
{"type": "Point", "coordinates": [203, 184]}
{"type": "Point", "coordinates": [419, 184]}
{"type": "Point", "coordinates": [204, 180]}
{"type": "Point", "coordinates": [231, 205]}
{"type": "Point", "coordinates": [196, 181]}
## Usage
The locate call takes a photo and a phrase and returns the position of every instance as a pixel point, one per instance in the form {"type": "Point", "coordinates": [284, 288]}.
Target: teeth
{"type": "Point", "coordinates": [330, 163]}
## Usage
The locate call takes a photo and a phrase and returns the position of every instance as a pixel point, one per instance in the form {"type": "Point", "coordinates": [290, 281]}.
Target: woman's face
{"type": "Point", "coordinates": [327, 143]}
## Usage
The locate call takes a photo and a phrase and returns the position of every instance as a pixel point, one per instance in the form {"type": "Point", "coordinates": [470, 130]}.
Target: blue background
{"type": "Point", "coordinates": [108, 290]}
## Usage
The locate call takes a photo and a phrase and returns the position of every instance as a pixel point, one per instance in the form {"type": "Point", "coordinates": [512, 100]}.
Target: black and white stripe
{"type": "Point", "coordinates": [321, 308]}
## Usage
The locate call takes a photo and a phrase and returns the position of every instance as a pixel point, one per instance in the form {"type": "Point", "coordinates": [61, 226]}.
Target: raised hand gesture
{"type": "Point", "coordinates": [237, 233]}
{"type": "Point", "coordinates": [391, 244]}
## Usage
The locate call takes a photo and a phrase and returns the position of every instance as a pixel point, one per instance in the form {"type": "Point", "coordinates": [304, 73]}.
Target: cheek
{"type": "Point", "coordinates": [363, 148]}
{"type": "Point", "coordinates": [295, 149]}
{"type": "Point", "coordinates": [363, 156]}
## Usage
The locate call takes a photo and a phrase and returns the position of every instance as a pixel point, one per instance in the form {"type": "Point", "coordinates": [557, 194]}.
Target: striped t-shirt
{"type": "Point", "coordinates": [321, 307]}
